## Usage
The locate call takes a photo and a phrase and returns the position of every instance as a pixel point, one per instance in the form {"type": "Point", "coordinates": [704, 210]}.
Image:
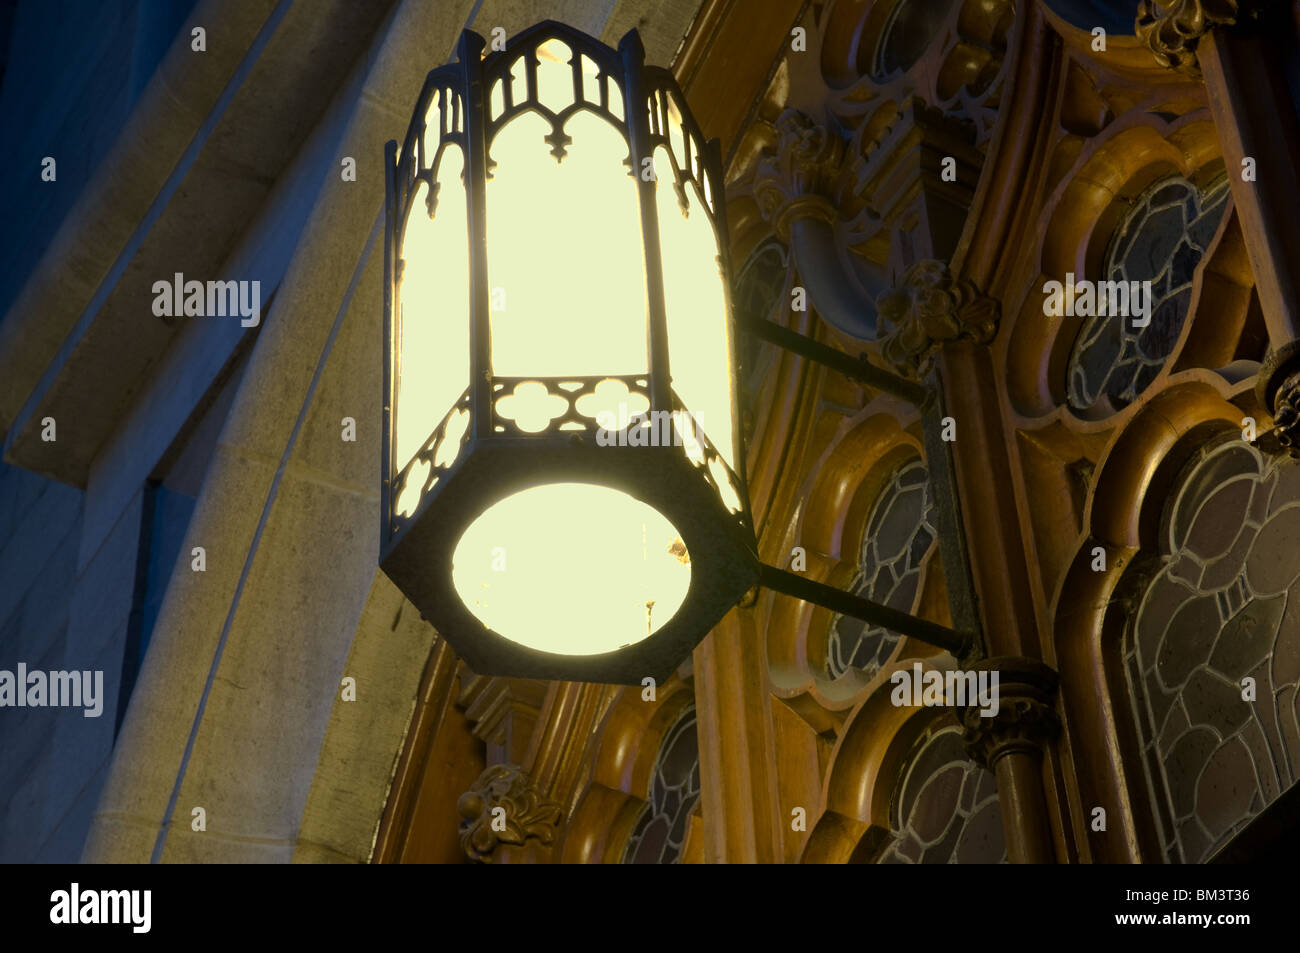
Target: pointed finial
{"type": "Point", "coordinates": [470, 47]}
{"type": "Point", "coordinates": [631, 46]}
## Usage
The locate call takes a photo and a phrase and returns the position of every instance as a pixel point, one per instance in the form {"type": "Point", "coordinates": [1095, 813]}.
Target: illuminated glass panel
{"type": "Point", "coordinates": [617, 566]}
{"type": "Point", "coordinates": [566, 265]}
{"type": "Point", "coordinates": [699, 345]}
{"type": "Point", "coordinates": [554, 75]}
{"type": "Point", "coordinates": [432, 333]}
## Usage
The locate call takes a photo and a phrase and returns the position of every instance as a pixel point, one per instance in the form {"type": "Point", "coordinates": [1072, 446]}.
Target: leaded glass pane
{"type": "Point", "coordinates": [1161, 240]}
{"type": "Point", "coordinates": [660, 832]}
{"type": "Point", "coordinates": [900, 532]}
{"type": "Point", "coordinates": [946, 809]}
{"type": "Point", "coordinates": [1213, 654]}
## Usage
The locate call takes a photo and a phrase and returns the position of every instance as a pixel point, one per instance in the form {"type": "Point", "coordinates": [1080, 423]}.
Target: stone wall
{"type": "Point", "coordinates": [40, 524]}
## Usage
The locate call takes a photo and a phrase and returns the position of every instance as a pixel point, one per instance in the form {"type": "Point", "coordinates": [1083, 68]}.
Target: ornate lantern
{"type": "Point", "coordinates": [562, 477]}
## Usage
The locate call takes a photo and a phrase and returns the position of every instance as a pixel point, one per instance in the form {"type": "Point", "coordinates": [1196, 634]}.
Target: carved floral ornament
{"type": "Point", "coordinates": [502, 807]}
{"type": "Point", "coordinates": [800, 178]}
{"type": "Point", "coordinates": [1174, 30]}
{"type": "Point", "coordinates": [930, 306]}
{"type": "Point", "coordinates": [1278, 387]}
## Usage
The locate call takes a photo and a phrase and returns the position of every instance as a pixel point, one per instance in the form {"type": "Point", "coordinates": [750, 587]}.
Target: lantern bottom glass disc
{"type": "Point", "coordinates": [572, 568]}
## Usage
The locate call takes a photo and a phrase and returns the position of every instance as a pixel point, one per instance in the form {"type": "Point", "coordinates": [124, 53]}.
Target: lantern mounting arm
{"type": "Point", "coordinates": [960, 644]}
{"type": "Point", "coordinates": [856, 368]}
{"type": "Point", "coordinates": [965, 641]}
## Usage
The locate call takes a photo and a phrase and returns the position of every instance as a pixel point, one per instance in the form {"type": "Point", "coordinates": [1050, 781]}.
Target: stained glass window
{"type": "Point", "coordinates": [1161, 240]}
{"type": "Point", "coordinates": [900, 532]}
{"type": "Point", "coordinates": [1213, 655]}
{"type": "Point", "coordinates": [946, 808]}
{"type": "Point", "coordinates": [660, 832]}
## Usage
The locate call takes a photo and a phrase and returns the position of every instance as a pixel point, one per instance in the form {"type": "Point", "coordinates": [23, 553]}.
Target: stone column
{"type": "Point", "coordinates": [1011, 744]}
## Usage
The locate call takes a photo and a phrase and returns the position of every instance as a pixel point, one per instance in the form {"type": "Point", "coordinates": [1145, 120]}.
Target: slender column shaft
{"type": "Point", "coordinates": [1024, 809]}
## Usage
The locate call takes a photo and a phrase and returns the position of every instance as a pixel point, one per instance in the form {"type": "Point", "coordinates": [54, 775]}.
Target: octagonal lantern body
{"type": "Point", "coordinates": [562, 488]}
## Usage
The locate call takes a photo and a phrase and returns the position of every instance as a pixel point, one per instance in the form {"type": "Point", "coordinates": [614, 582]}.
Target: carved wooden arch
{"type": "Point", "coordinates": [819, 436]}
{"type": "Point", "coordinates": [1125, 55]}
{"type": "Point", "coordinates": [842, 486]}
{"type": "Point", "coordinates": [958, 65]}
{"type": "Point", "coordinates": [620, 770]}
{"type": "Point", "coordinates": [869, 761]}
{"type": "Point", "coordinates": [783, 417]}
{"type": "Point", "coordinates": [1071, 104]}
{"type": "Point", "coordinates": [1076, 223]}
{"type": "Point", "coordinates": [1105, 127]}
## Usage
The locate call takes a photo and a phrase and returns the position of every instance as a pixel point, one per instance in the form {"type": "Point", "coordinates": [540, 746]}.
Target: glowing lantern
{"type": "Point", "coordinates": [562, 488]}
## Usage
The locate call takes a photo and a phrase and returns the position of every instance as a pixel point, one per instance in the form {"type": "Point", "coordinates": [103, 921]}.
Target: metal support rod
{"type": "Point", "coordinates": [966, 643]}
{"type": "Point", "coordinates": [952, 537]}
{"type": "Point", "coordinates": [857, 368]}
{"type": "Point", "coordinates": [801, 587]}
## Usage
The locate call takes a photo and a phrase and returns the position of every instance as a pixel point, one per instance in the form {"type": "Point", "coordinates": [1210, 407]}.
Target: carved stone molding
{"type": "Point", "coordinates": [798, 181]}
{"type": "Point", "coordinates": [1278, 389]}
{"type": "Point", "coordinates": [1173, 30]}
{"type": "Point", "coordinates": [930, 306]}
{"type": "Point", "coordinates": [1026, 719]}
{"type": "Point", "coordinates": [526, 814]}
{"type": "Point", "coordinates": [503, 712]}
{"type": "Point", "coordinates": [1286, 414]}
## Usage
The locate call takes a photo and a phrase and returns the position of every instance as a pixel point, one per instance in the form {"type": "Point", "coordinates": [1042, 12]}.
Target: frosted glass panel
{"type": "Point", "coordinates": [432, 344]}
{"type": "Point", "coordinates": [554, 75]}
{"type": "Point", "coordinates": [699, 347]}
{"type": "Point", "coordinates": [617, 566]}
{"type": "Point", "coordinates": [566, 266]}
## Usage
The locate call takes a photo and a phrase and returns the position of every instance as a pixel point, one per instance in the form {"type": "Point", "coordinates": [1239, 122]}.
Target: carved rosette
{"type": "Point", "coordinates": [799, 179]}
{"type": "Point", "coordinates": [526, 814]}
{"type": "Point", "coordinates": [930, 306]}
{"type": "Point", "coordinates": [1025, 722]}
{"type": "Point", "coordinates": [1173, 30]}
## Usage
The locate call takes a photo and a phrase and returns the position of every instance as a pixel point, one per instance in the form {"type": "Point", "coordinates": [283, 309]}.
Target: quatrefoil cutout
{"type": "Point", "coordinates": [612, 404]}
{"type": "Point", "coordinates": [531, 406]}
